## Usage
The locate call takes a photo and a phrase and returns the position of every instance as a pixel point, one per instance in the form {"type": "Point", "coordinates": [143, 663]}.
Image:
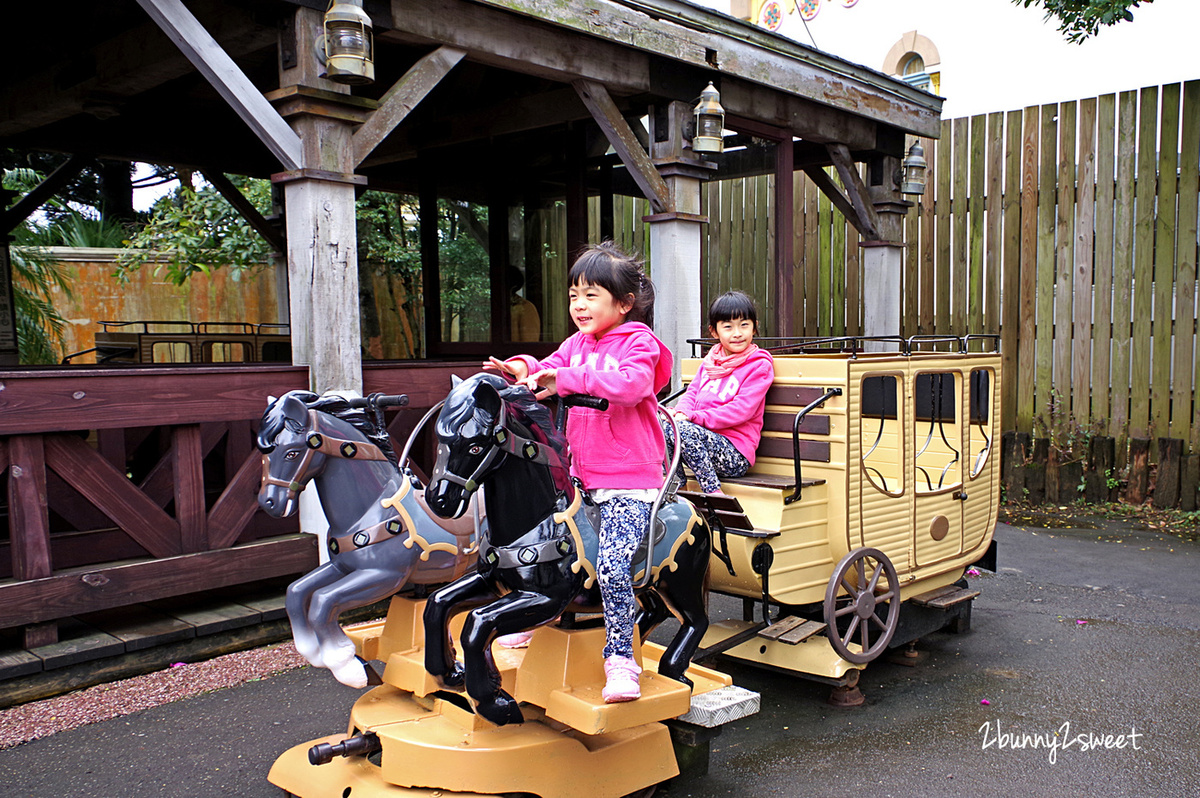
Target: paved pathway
{"type": "Point", "coordinates": [923, 731]}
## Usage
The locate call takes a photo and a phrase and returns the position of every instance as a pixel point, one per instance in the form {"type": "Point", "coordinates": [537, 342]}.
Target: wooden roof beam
{"type": "Point", "coordinates": [864, 219]}
{"type": "Point", "coordinates": [272, 232]}
{"type": "Point", "coordinates": [402, 97]}
{"type": "Point", "coordinates": [625, 142]}
{"type": "Point", "coordinates": [230, 82]}
{"type": "Point", "coordinates": [11, 217]}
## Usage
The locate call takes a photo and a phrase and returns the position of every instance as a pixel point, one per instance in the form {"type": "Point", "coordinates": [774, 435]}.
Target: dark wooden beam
{"type": "Point", "coordinates": [402, 97]}
{"type": "Point", "coordinates": [228, 79]}
{"type": "Point", "coordinates": [237, 504]}
{"type": "Point", "coordinates": [785, 221]}
{"type": "Point", "coordinates": [864, 219]}
{"type": "Point", "coordinates": [272, 232]}
{"type": "Point", "coordinates": [79, 591]}
{"type": "Point", "coordinates": [29, 523]}
{"type": "Point", "coordinates": [113, 494]}
{"type": "Point", "coordinates": [90, 399]}
{"type": "Point", "coordinates": [623, 140]}
{"type": "Point", "coordinates": [55, 182]}
{"type": "Point", "coordinates": [187, 456]}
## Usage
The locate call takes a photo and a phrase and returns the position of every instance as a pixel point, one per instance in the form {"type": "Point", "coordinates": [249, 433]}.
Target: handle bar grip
{"type": "Point", "coordinates": [584, 400]}
{"type": "Point", "coordinates": [380, 400]}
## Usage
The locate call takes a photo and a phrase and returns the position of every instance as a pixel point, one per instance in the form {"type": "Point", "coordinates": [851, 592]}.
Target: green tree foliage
{"type": "Point", "coordinates": [1080, 19]}
{"type": "Point", "coordinates": [196, 230]}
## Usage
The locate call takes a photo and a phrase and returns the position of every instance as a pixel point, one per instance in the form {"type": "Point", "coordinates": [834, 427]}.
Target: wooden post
{"type": "Point", "coordinates": [1101, 463]}
{"type": "Point", "coordinates": [1166, 486]}
{"type": "Point", "coordinates": [1035, 471]}
{"type": "Point", "coordinates": [675, 241]}
{"type": "Point", "coordinates": [1139, 470]}
{"type": "Point", "coordinates": [883, 259]}
{"type": "Point", "coordinates": [29, 523]}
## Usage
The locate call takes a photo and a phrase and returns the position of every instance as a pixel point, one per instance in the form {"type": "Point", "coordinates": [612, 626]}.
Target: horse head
{"type": "Point", "coordinates": [470, 431]}
{"type": "Point", "coordinates": [289, 459]}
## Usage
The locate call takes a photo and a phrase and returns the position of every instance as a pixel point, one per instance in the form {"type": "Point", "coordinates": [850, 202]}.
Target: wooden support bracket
{"type": "Point", "coordinates": [227, 78]}
{"type": "Point", "coordinates": [64, 174]}
{"type": "Point", "coordinates": [402, 97]}
{"type": "Point", "coordinates": [273, 233]}
{"type": "Point", "coordinates": [602, 108]}
{"type": "Point", "coordinates": [861, 213]}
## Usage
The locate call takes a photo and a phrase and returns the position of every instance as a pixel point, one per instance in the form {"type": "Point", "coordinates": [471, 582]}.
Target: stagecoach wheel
{"type": "Point", "coordinates": [872, 609]}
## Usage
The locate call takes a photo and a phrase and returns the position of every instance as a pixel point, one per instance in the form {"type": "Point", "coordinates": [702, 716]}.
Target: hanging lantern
{"type": "Point", "coordinates": [914, 166]}
{"type": "Point", "coordinates": [710, 121]}
{"type": "Point", "coordinates": [349, 48]}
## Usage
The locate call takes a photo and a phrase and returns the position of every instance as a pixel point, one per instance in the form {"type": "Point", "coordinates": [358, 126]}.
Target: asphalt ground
{"type": "Point", "coordinates": [1085, 641]}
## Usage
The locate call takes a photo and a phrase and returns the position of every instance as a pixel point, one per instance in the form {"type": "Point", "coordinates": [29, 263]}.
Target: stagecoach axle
{"type": "Point", "coordinates": [358, 745]}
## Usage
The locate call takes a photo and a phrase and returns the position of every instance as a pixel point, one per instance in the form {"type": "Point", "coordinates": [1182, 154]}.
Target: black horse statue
{"type": "Point", "coordinates": [382, 538]}
{"type": "Point", "coordinates": [536, 559]}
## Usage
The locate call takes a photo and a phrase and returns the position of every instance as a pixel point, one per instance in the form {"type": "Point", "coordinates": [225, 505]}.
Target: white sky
{"type": "Point", "coordinates": [998, 56]}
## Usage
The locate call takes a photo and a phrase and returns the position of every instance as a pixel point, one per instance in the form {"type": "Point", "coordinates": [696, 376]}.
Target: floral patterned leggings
{"type": "Point", "coordinates": [708, 454]}
{"type": "Point", "coordinates": [623, 521]}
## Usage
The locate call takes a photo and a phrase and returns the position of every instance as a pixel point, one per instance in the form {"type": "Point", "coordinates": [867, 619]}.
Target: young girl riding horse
{"type": "Point", "coordinates": [617, 454]}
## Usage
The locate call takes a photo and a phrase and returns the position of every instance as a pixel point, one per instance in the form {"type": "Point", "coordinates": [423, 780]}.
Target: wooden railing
{"type": "Point", "coordinates": [135, 484]}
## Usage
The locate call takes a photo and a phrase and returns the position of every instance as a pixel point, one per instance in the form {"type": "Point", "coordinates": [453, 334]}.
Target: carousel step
{"type": "Point", "coordinates": [943, 597]}
{"type": "Point", "coordinates": [723, 705]}
{"type": "Point", "coordinates": [792, 630]}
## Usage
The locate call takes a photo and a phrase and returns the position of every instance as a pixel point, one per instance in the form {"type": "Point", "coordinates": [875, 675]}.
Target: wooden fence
{"type": "Point", "coordinates": [1069, 228]}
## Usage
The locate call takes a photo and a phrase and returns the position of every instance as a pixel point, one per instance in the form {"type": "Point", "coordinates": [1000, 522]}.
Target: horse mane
{"type": "Point", "coordinates": [274, 420]}
{"type": "Point", "coordinates": [529, 409]}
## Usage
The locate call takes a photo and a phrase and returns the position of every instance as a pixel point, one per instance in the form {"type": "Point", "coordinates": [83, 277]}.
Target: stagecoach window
{"type": "Point", "coordinates": [938, 435]}
{"type": "Point", "coordinates": [879, 432]}
{"type": "Point", "coordinates": [981, 427]}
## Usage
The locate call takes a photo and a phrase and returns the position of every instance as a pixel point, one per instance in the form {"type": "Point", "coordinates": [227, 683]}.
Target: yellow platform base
{"type": "Point", "coordinates": [813, 657]}
{"type": "Point", "coordinates": [572, 744]}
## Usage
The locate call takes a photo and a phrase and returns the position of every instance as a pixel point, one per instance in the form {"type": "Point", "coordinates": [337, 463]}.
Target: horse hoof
{"type": "Point", "coordinates": [453, 678]}
{"type": "Point", "coordinates": [502, 710]}
{"type": "Point", "coordinates": [351, 674]}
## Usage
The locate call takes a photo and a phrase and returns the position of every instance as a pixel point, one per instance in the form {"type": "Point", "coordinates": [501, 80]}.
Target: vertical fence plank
{"type": "Point", "coordinates": [798, 251]}
{"type": "Point", "coordinates": [992, 276]}
{"type": "Point", "coordinates": [824, 229]}
{"type": "Point", "coordinates": [960, 243]}
{"type": "Point", "coordinates": [1162, 417]}
{"type": "Point", "coordinates": [926, 269]}
{"type": "Point", "coordinates": [1031, 136]}
{"type": "Point", "coordinates": [764, 265]}
{"type": "Point", "coordinates": [812, 243]}
{"type": "Point", "coordinates": [1123, 218]}
{"type": "Point", "coordinates": [1082, 304]}
{"type": "Point", "coordinates": [910, 271]}
{"type": "Point", "coordinates": [945, 170]}
{"type": "Point", "coordinates": [1064, 246]}
{"type": "Point", "coordinates": [1045, 257]}
{"type": "Point", "coordinates": [1106, 122]}
{"type": "Point", "coordinates": [1010, 308]}
{"type": "Point", "coordinates": [1143, 263]}
{"type": "Point", "coordinates": [1189, 200]}
{"type": "Point", "coordinates": [854, 282]}
{"type": "Point", "coordinates": [975, 204]}
{"type": "Point", "coordinates": [837, 274]}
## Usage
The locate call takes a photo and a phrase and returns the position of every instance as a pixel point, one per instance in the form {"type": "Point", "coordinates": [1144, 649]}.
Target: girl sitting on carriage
{"type": "Point", "coordinates": [720, 418]}
{"type": "Point", "coordinates": [616, 454]}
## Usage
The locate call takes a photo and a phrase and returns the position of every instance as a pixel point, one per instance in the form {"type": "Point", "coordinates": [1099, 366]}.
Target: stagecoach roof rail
{"type": "Point", "coordinates": [145, 325]}
{"type": "Point", "coordinates": [852, 344]}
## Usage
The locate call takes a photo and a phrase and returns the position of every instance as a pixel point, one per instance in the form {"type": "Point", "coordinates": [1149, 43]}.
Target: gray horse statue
{"type": "Point", "coordinates": [382, 537]}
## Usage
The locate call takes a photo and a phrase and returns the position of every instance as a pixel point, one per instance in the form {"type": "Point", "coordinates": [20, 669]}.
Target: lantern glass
{"type": "Point", "coordinates": [349, 38]}
{"type": "Point", "coordinates": [914, 166]}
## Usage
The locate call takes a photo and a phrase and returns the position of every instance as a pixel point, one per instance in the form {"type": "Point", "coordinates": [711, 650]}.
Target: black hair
{"type": "Point", "coordinates": [731, 306]}
{"type": "Point", "coordinates": [605, 265]}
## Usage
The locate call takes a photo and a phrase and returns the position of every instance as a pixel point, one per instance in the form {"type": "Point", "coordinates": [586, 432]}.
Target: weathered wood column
{"type": "Point", "coordinates": [322, 246]}
{"type": "Point", "coordinates": [883, 258]}
{"type": "Point", "coordinates": [675, 237]}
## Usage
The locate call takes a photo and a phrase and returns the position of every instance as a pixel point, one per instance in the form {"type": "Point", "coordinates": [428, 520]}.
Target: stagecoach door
{"type": "Point", "coordinates": [936, 438]}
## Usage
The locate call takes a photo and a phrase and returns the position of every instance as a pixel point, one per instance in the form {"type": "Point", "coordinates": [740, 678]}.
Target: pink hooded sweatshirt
{"type": "Point", "coordinates": [733, 405]}
{"type": "Point", "coordinates": [621, 447]}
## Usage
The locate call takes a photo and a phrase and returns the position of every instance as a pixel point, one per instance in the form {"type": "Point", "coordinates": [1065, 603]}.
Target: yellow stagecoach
{"type": "Point", "coordinates": [875, 486]}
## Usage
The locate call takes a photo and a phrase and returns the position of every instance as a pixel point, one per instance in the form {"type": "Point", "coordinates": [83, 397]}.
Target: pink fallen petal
{"type": "Point", "coordinates": [972, 572]}
{"type": "Point", "coordinates": [178, 664]}
{"type": "Point", "coordinates": [985, 702]}
{"type": "Point", "coordinates": [1081, 623]}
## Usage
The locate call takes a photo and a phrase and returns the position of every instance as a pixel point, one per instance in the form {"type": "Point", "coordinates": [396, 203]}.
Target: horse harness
{"type": "Point", "coordinates": [502, 441]}
{"type": "Point", "coordinates": [325, 444]}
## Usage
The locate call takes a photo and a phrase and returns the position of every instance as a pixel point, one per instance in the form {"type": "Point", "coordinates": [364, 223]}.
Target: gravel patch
{"type": "Point", "coordinates": [38, 719]}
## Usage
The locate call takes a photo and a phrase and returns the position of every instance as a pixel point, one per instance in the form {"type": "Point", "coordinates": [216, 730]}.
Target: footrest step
{"type": "Point", "coordinates": [721, 706]}
{"type": "Point", "coordinates": [792, 630]}
{"type": "Point", "coordinates": [944, 597]}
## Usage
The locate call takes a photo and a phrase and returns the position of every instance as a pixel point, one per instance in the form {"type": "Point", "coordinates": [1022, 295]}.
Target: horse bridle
{"type": "Point", "coordinates": [315, 442]}
{"type": "Point", "coordinates": [502, 441]}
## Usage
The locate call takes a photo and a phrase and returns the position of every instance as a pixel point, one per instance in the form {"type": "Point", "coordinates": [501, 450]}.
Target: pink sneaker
{"type": "Point", "coordinates": [515, 640]}
{"type": "Point", "coordinates": [621, 674]}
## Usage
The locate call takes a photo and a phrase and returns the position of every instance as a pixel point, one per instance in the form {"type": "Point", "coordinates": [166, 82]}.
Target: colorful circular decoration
{"type": "Point", "coordinates": [770, 16]}
{"type": "Point", "coordinates": [808, 9]}
{"type": "Point", "coordinates": [849, 3]}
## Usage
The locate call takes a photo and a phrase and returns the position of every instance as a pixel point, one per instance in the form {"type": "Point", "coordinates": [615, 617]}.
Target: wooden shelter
{"type": "Point", "coordinates": [516, 106]}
